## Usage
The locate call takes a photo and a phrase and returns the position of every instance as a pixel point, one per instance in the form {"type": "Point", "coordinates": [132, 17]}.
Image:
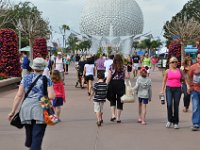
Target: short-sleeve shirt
{"type": "Point", "coordinates": [136, 59]}
{"type": "Point", "coordinates": [100, 90]}
{"type": "Point", "coordinates": [31, 109]}
{"type": "Point", "coordinates": [100, 64]}
{"type": "Point", "coordinates": [194, 74]}
{"type": "Point", "coordinates": [118, 75]}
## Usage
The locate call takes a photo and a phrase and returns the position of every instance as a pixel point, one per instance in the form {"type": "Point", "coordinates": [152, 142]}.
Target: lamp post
{"type": "Point", "coordinates": [19, 27]}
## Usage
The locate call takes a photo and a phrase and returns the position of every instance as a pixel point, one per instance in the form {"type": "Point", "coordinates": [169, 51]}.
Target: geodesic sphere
{"type": "Point", "coordinates": [111, 18]}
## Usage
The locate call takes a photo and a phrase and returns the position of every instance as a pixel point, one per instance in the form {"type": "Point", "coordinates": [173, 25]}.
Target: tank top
{"type": "Point", "coordinates": [89, 69]}
{"type": "Point", "coordinates": [59, 65]}
{"type": "Point", "coordinates": [174, 78]}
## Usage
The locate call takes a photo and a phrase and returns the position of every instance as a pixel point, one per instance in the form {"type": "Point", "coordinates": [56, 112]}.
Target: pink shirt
{"type": "Point", "coordinates": [174, 78]}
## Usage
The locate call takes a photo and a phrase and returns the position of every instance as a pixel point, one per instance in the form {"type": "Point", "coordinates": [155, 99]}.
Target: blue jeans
{"type": "Point", "coordinates": [186, 98]}
{"type": "Point", "coordinates": [195, 107]}
{"type": "Point", "coordinates": [173, 95]}
{"type": "Point", "coordinates": [34, 135]}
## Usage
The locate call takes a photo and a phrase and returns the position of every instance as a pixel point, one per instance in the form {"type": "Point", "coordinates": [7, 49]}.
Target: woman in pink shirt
{"type": "Point", "coordinates": [172, 85]}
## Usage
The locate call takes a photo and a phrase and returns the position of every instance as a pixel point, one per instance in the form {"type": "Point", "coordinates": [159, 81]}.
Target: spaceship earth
{"type": "Point", "coordinates": [111, 18]}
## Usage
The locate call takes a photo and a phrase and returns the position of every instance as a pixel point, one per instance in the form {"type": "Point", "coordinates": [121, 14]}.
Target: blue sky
{"type": "Point", "coordinates": [156, 13]}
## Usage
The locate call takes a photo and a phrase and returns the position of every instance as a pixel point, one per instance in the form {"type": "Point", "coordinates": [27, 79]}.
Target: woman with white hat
{"type": "Point", "coordinates": [31, 113]}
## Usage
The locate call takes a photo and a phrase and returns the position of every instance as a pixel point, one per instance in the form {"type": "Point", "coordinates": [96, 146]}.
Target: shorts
{"type": "Point", "coordinates": [135, 66]}
{"type": "Point", "coordinates": [98, 106]}
{"type": "Point", "coordinates": [143, 100]}
{"type": "Point", "coordinates": [89, 77]}
{"type": "Point", "coordinates": [58, 101]}
{"type": "Point", "coordinates": [129, 68]}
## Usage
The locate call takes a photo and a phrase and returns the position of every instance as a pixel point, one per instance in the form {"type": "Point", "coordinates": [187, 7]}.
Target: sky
{"type": "Point", "coordinates": [59, 12]}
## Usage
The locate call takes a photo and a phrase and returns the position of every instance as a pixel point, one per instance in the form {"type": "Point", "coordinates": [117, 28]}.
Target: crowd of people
{"type": "Point", "coordinates": [111, 71]}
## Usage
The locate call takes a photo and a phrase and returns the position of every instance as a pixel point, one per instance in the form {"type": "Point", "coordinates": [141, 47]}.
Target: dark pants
{"type": "Point", "coordinates": [118, 90]}
{"type": "Point", "coordinates": [173, 95]}
{"type": "Point", "coordinates": [186, 98]}
{"type": "Point", "coordinates": [34, 135]}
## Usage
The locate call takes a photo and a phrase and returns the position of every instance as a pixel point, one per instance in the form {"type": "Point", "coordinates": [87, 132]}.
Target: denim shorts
{"type": "Point", "coordinates": [143, 100]}
{"type": "Point", "coordinates": [58, 101]}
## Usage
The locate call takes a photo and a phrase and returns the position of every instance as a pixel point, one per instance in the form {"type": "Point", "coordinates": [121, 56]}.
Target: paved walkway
{"type": "Point", "coordinates": [78, 130]}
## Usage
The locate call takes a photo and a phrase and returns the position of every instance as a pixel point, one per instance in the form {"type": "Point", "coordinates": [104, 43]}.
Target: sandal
{"type": "Point", "coordinates": [119, 121]}
{"type": "Point", "coordinates": [113, 119]}
{"type": "Point", "coordinates": [139, 121]}
{"type": "Point", "coordinates": [143, 123]}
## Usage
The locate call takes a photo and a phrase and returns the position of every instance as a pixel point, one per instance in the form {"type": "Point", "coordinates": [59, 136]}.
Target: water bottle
{"type": "Point", "coordinates": [162, 99]}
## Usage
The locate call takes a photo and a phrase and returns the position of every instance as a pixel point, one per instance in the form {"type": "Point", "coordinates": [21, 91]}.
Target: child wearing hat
{"type": "Point", "coordinates": [144, 93]}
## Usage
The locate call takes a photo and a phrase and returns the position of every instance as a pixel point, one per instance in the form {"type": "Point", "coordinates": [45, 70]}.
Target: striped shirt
{"type": "Point", "coordinates": [100, 92]}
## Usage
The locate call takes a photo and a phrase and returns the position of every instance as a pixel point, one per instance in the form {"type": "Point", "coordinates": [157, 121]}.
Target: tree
{"type": "Point", "coordinates": [184, 25]}
{"type": "Point", "coordinates": [4, 11]}
{"type": "Point", "coordinates": [32, 24]}
{"type": "Point", "coordinates": [72, 42]}
{"type": "Point", "coordinates": [185, 30]}
{"type": "Point", "coordinates": [84, 45]}
{"type": "Point", "coordinates": [63, 31]}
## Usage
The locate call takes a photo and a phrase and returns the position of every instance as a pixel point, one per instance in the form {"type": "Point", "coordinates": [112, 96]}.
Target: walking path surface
{"type": "Point", "coordinates": [78, 129]}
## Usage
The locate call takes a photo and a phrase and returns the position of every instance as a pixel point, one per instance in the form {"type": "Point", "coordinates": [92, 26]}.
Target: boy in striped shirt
{"type": "Point", "coordinates": [100, 93]}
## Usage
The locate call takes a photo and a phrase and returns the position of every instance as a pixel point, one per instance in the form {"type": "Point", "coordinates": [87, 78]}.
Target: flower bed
{"type": "Point", "coordinates": [3, 76]}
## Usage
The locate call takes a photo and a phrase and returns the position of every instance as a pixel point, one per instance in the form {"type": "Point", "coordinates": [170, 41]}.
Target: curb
{"type": "Point", "coordinates": [9, 81]}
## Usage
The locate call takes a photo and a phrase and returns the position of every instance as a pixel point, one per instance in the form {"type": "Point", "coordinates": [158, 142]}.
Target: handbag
{"type": "Point", "coordinates": [16, 121]}
{"type": "Point", "coordinates": [50, 117]}
{"type": "Point", "coordinates": [129, 96]}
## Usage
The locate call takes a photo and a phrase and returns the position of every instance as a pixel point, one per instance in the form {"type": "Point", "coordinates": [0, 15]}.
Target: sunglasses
{"type": "Point", "coordinates": [173, 62]}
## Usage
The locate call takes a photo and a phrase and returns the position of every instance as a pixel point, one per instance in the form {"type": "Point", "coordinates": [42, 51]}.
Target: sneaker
{"type": "Point", "coordinates": [176, 126]}
{"type": "Point", "coordinates": [195, 128]}
{"type": "Point", "coordinates": [168, 125]}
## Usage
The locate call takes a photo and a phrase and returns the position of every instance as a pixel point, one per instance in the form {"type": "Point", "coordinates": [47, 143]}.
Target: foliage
{"type": "Point", "coordinates": [40, 48]}
{"type": "Point", "coordinates": [148, 44]}
{"type": "Point", "coordinates": [3, 76]}
{"type": "Point", "coordinates": [109, 50]}
{"type": "Point", "coordinates": [4, 11]}
{"type": "Point", "coordinates": [9, 54]}
{"type": "Point", "coordinates": [185, 23]}
{"type": "Point", "coordinates": [99, 52]}
{"type": "Point", "coordinates": [174, 50]}
{"type": "Point", "coordinates": [84, 45]}
{"type": "Point", "coordinates": [72, 42]}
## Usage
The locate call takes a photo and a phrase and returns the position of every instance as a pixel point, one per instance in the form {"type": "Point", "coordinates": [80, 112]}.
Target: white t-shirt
{"type": "Point", "coordinates": [59, 65]}
{"type": "Point", "coordinates": [89, 69]}
{"type": "Point", "coordinates": [107, 64]}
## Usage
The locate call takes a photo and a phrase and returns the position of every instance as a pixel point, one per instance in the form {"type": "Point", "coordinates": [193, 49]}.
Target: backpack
{"type": "Point", "coordinates": [29, 68]}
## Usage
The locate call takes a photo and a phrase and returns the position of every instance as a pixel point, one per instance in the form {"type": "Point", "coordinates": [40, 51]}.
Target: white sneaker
{"type": "Point", "coordinates": [176, 126]}
{"type": "Point", "coordinates": [168, 125]}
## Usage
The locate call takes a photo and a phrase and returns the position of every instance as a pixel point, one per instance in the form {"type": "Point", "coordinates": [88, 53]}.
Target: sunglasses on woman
{"type": "Point", "coordinates": [173, 62]}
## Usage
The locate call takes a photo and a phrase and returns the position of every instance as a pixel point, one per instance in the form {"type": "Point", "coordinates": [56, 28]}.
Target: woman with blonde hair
{"type": "Point", "coordinates": [172, 86]}
{"type": "Point", "coordinates": [116, 77]}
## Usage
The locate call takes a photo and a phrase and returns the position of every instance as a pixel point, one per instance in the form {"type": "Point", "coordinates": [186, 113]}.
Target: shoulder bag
{"type": "Point", "coordinates": [129, 96]}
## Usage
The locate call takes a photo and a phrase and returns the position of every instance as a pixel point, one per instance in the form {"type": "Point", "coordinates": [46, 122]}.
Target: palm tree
{"type": "Point", "coordinates": [64, 29]}
{"type": "Point", "coordinates": [72, 42]}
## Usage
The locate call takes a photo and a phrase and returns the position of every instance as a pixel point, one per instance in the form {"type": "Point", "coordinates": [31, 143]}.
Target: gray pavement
{"type": "Point", "coordinates": [78, 130]}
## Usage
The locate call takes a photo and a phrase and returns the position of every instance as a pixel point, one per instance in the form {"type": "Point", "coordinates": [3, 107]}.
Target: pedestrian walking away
{"type": "Point", "coordinates": [31, 113]}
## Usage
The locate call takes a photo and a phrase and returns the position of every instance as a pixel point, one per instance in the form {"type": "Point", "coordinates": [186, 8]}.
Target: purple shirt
{"type": "Point", "coordinates": [118, 75]}
{"type": "Point", "coordinates": [100, 64]}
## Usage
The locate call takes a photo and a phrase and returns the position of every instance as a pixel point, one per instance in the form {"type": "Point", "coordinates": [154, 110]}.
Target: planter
{"type": "Point", "coordinates": [9, 81]}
